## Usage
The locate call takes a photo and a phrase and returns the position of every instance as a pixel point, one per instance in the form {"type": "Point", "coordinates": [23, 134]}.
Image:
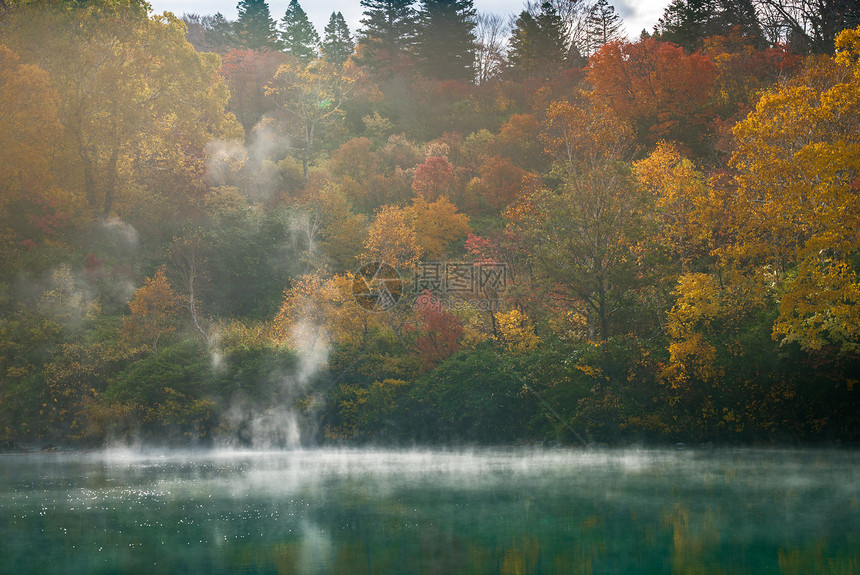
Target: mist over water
{"type": "Point", "coordinates": [424, 511]}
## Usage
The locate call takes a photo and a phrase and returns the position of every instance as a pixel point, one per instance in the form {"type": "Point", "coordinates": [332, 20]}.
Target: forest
{"type": "Point", "coordinates": [441, 227]}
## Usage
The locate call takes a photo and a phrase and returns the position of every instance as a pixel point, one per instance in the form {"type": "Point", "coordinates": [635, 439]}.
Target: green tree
{"type": "Point", "coordinates": [255, 28]}
{"type": "Point", "coordinates": [446, 39]}
{"type": "Point", "coordinates": [338, 44]}
{"type": "Point", "coordinates": [389, 29]}
{"type": "Point", "coordinates": [537, 42]}
{"type": "Point", "coordinates": [222, 35]}
{"type": "Point", "coordinates": [299, 39]}
{"type": "Point", "coordinates": [312, 96]}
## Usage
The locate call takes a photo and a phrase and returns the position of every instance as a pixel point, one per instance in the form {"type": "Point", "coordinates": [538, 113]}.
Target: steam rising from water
{"type": "Point", "coordinates": [280, 425]}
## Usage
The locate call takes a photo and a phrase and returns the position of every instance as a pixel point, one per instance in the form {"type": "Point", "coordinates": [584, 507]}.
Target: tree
{"type": "Point", "coordinates": [392, 239]}
{"type": "Point", "coordinates": [255, 28]}
{"type": "Point", "coordinates": [537, 44]}
{"type": "Point", "coordinates": [604, 25]}
{"type": "Point", "coordinates": [338, 44]}
{"type": "Point", "coordinates": [489, 46]}
{"type": "Point", "coordinates": [139, 104]}
{"type": "Point", "coordinates": [221, 34]}
{"type": "Point", "coordinates": [797, 204]}
{"type": "Point", "coordinates": [808, 26]}
{"type": "Point", "coordinates": [576, 235]}
{"type": "Point", "coordinates": [437, 225]}
{"type": "Point", "coordinates": [153, 312]}
{"type": "Point", "coordinates": [687, 22]}
{"type": "Point", "coordinates": [30, 129]}
{"type": "Point", "coordinates": [439, 331]}
{"type": "Point", "coordinates": [446, 39]}
{"type": "Point", "coordinates": [247, 72]}
{"type": "Point", "coordinates": [388, 33]}
{"type": "Point", "coordinates": [298, 38]}
{"type": "Point", "coordinates": [662, 91]}
{"type": "Point", "coordinates": [433, 177]}
{"type": "Point", "coordinates": [574, 21]}
{"type": "Point", "coordinates": [312, 96]}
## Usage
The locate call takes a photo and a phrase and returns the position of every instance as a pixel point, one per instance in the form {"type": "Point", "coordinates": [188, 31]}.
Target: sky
{"type": "Point", "coordinates": [637, 15]}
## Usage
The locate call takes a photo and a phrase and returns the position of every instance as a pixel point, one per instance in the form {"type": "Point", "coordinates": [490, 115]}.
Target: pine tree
{"type": "Point", "coordinates": [299, 38]}
{"type": "Point", "coordinates": [740, 15]}
{"type": "Point", "coordinates": [338, 45]}
{"type": "Point", "coordinates": [687, 22]}
{"type": "Point", "coordinates": [389, 30]}
{"type": "Point", "coordinates": [538, 42]}
{"type": "Point", "coordinates": [446, 39]}
{"type": "Point", "coordinates": [221, 34]}
{"type": "Point", "coordinates": [604, 25]}
{"type": "Point", "coordinates": [524, 53]}
{"type": "Point", "coordinates": [255, 28]}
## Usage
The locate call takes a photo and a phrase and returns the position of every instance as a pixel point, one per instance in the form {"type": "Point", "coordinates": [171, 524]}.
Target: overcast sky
{"type": "Point", "coordinates": [637, 15]}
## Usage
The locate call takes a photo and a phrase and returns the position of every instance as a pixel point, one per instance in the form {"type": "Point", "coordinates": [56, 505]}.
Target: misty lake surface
{"type": "Point", "coordinates": [480, 511]}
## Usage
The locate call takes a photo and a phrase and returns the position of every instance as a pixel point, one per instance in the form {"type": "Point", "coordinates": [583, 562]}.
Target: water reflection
{"type": "Point", "coordinates": [493, 511]}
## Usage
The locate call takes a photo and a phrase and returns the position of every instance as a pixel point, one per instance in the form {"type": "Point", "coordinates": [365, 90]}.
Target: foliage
{"type": "Point", "coordinates": [661, 246]}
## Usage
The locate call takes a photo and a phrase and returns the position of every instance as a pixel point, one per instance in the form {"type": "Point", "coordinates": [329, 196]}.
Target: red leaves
{"type": "Point", "coordinates": [440, 331]}
{"type": "Point", "coordinates": [655, 85]}
{"type": "Point", "coordinates": [432, 178]}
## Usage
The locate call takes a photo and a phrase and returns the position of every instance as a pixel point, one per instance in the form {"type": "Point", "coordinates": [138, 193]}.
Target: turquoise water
{"type": "Point", "coordinates": [482, 511]}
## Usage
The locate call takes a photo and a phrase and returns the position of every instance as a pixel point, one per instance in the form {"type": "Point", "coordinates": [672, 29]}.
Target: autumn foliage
{"type": "Point", "coordinates": [658, 243]}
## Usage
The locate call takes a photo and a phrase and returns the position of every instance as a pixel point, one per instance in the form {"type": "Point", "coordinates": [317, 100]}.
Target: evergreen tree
{"type": "Point", "coordinates": [740, 15]}
{"type": "Point", "coordinates": [603, 25]}
{"type": "Point", "coordinates": [538, 42]}
{"type": "Point", "coordinates": [389, 30]}
{"type": "Point", "coordinates": [299, 38]}
{"type": "Point", "coordinates": [687, 22]}
{"type": "Point", "coordinates": [221, 34]}
{"type": "Point", "coordinates": [524, 53]}
{"type": "Point", "coordinates": [338, 45]}
{"type": "Point", "coordinates": [446, 39]}
{"type": "Point", "coordinates": [255, 28]}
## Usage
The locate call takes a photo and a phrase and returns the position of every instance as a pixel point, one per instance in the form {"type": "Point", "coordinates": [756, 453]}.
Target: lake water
{"type": "Point", "coordinates": [482, 511]}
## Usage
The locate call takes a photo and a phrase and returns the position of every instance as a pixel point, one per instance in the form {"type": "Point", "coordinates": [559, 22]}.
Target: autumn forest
{"type": "Point", "coordinates": [440, 227]}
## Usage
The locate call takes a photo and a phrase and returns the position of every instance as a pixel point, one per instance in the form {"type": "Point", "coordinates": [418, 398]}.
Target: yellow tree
{"type": "Point", "coordinates": [392, 239]}
{"type": "Point", "coordinates": [797, 200]}
{"type": "Point", "coordinates": [139, 103]}
{"type": "Point", "coordinates": [437, 225]}
{"type": "Point", "coordinates": [153, 312]}
{"type": "Point", "coordinates": [29, 128]}
{"type": "Point", "coordinates": [682, 206]}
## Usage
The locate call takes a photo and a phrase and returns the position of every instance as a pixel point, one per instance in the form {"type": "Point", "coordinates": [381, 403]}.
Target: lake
{"type": "Point", "coordinates": [477, 511]}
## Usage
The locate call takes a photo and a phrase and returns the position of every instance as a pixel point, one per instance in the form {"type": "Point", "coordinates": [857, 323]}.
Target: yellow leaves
{"type": "Point", "coordinates": [516, 332]}
{"type": "Point", "coordinates": [681, 197]}
{"type": "Point", "coordinates": [392, 239]}
{"type": "Point", "coordinates": [29, 128]}
{"type": "Point", "coordinates": [153, 312]}
{"type": "Point", "coordinates": [318, 310]}
{"type": "Point", "coordinates": [798, 159]}
{"type": "Point", "coordinates": [437, 224]}
{"type": "Point", "coordinates": [821, 306]}
{"type": "Point", "coordinates": [584, 131]}
{"type": "Point", "coordinates": [698, 304]}
{"type": "Point", "coordinates": [691, 355]}
{"type": "Point", "coordinates": [848, 48]}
